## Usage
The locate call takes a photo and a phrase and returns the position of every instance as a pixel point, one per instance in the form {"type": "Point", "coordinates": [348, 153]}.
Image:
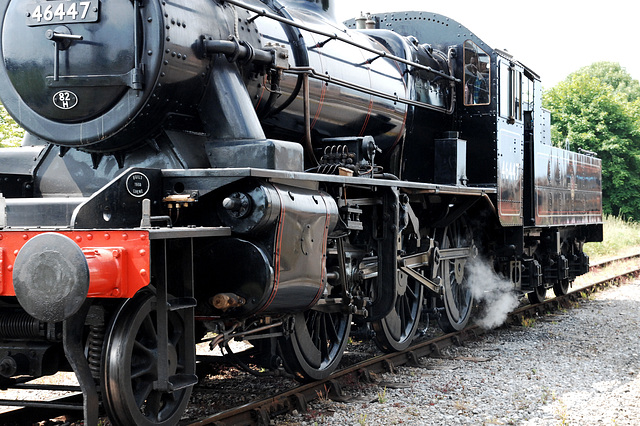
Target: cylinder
{"type": "Point", "coordinates": [278, 261]}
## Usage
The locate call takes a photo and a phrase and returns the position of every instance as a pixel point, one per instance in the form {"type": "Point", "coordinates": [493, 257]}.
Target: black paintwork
{"type": "Point", "coordinates": [169, 102]}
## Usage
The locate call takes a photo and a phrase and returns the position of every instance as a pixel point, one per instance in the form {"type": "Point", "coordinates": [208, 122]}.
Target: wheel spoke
{"type": "Point", "coordinates": [168, 400]}
{"type": "Point", "coordinates": [310, 326]}
{"type": "Point", "coordinates": [322, 338]}
{"type": "Point", "coordinates": [153, 405]}
{"type": "Point", "coordinates": [332, 333]}
{"type": "Point", "coordinates": [142, 369]}
{"type": "Point", "coordinates": [142, 392]}
{"type": "Point", "coordinates": [410, 294]}
{"type": "Point", "coordinates": [175, 335]}
{"type": "Point", "coordinates": [142, 350]}
{"type": "Point", "coordinates": [148, 328]}
{"type": "Point", "coordinates": [317, 331]}
{"type": "Point", "coordinates": [405, 312]}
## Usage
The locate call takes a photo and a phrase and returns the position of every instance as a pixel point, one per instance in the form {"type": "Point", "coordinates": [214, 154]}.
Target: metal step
{"type": "Point", "coordinates": [182, 381]}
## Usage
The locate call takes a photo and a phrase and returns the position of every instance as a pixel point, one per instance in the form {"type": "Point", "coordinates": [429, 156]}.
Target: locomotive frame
{"type": "Point", "coordinates": [256, 170]}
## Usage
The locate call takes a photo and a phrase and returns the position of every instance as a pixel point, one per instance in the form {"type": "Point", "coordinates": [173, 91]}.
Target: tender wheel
{"type": "Point", "coordinates": [130, 365]}
{"type": "Point", "coordinates": [458, 298]}
{"type": "Point", "coordinates": [561, 288]}
{"type": "Point", "coordinates": [315, 346]}
{"type": "Point", "coordinates": [396, 331]}
{"type": "Point", "coordinates": [538, 295]}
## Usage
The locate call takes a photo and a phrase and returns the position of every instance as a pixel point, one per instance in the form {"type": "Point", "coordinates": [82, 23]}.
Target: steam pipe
{"type": "Point", "coordinates": [224, 120]}
{"type": "Point", "coordinates": [381, 53]}
{"type": "Point", "coordinates": [237, 51]}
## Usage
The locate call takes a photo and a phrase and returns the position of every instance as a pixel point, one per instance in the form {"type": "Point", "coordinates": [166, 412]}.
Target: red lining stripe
{"type": "Point", "coordinates": [264, 85]}
{"type": "Point", "coordinates": [366, 121]}
{"type": "Point", "coordinates": [320, 104]}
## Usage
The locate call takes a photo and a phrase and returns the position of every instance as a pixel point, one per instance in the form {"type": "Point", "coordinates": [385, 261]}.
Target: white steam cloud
{"type": "Point", "coordinates": [495, 292]}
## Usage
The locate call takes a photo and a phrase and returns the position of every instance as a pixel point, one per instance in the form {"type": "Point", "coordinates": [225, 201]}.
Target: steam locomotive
{"type": "Point", "coordinates": [255, 170]}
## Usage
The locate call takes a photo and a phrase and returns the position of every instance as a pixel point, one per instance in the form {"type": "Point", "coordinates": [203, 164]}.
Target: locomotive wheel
{"type": "Point", "coordinates": [396, 331]}
{"type": "Point", "coordinates": [561, 287]}
{"type": "Point", "coordinates": [315, 346]}
{"type": "Point", "coordinates": [458, 298]}
{"type": "Point", "coordinates": [537, 295]}
{"type": "Point", "coordinates": [130, 365]}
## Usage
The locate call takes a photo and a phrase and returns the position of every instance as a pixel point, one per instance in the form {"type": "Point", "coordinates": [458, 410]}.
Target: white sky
{"type": "Point", "coordinates": [552, 37]}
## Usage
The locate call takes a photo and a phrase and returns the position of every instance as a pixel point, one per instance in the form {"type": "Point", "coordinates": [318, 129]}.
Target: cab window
{"type": "Point", "coordinates": [477, 75]}
{"type": "Point", "coordinates": [511, 91]}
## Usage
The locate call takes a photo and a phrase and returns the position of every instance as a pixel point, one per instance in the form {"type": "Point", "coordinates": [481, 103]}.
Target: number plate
{"type": "Point", "coordinates": [62, 12]}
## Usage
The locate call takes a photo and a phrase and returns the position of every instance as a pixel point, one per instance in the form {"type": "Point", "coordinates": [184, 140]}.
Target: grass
{"type": "Point", "coordinates": [587, 295]}
{"type": "Point", "coordinates": [563, 415]}
{"type": "Point", "coordinates": [382, 396]}
{"type": "Point", "coordinates": [548, 395]}
{"type": "Point", "coordinates": [619, 234]}
{"type": "Point", "coordinates": [323, 395]}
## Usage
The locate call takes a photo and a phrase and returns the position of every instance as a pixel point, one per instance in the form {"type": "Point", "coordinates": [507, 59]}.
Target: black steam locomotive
{"type": "Point", "coordinates": [254, 170]}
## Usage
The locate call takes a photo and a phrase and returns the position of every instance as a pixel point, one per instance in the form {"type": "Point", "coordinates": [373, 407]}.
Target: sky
{"type": "Point", "coordinates": [552, 37]}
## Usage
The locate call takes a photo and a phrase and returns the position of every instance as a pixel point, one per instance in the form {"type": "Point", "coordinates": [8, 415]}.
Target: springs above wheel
{"type": "Point", "coordinates": [95, 343]}
{"type": "Point", "coordinates": [21, 325]}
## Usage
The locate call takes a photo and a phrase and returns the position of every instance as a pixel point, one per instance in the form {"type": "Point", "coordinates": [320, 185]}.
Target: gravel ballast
{"type": "Point", "coordinates": [574, 367]}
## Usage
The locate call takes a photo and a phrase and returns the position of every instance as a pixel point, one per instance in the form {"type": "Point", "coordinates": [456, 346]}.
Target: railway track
{"type": "Point", "coordinates": [261, 411]}
{"type": "Point", "coordinates": [606, 262]}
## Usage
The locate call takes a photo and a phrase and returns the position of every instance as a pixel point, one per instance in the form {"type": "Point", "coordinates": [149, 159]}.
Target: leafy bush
{"type": "Point", "coordinates": [10, 132]}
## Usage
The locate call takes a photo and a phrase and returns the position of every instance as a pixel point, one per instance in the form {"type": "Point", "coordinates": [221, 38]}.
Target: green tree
{"type": "Point", "coordinates": [612, 74]}
{"type": "Point", "coordinates": [10, 132]}
{"type": "Point", "coordinates": [596, 109]}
